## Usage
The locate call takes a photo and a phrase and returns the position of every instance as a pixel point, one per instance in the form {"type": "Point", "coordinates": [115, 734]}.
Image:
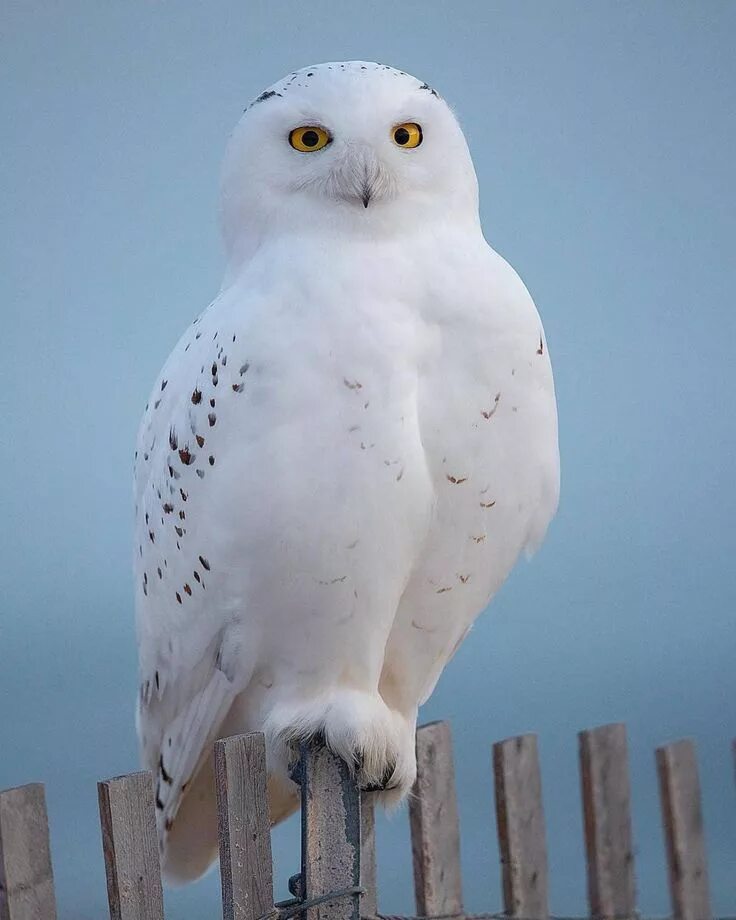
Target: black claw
{"type": "Point", "coordinates": [296, 886]}
{"type": "Point", "coordinates": [385, 780]}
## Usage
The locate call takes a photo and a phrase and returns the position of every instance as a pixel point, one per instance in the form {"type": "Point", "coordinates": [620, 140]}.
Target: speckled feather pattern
{"type": "Point", "coordinates": [342, 458]}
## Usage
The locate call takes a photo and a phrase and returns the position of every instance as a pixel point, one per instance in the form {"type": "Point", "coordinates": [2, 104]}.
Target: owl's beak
{"type": "Point", "coordinates": [360, 175]}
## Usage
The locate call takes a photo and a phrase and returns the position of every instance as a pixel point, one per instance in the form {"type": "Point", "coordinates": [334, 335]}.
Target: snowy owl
{"type": "Point", "coordinates": [344, 455]}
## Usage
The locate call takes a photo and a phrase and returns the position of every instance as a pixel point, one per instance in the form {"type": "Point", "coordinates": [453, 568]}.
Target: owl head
{"type": "Point", "coordinates": [351, 147]}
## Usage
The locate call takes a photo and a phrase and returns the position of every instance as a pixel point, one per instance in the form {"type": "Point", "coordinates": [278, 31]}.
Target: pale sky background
{"type": "Point", "coordinates": [603, 134]}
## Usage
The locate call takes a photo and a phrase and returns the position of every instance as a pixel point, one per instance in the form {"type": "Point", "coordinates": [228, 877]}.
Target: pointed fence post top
{"type": "Point", "coordinates": [435, 830]}
{"type": "Point", "coordinates": [244, 827]}
{"type": "Point", "coordinates": [331, 832]}
{"type": "Point", "coordinates": [606, 795]}
{"type": "Point", "coordinates": [682, 819]}
{"type": "Point", "coordinates": [521, 830]}
{"type": "Point", "coordinates": [130, 847]}
{"type": "Point", "coordinates": [26, 877]}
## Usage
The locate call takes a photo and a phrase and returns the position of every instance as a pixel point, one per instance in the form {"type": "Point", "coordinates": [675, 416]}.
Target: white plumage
{"type": "Point", "coordinates": [343, 456]}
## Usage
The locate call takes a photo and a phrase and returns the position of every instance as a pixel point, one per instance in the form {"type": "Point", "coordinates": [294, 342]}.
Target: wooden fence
{"type": "Point", "coordinates": [337, 878]}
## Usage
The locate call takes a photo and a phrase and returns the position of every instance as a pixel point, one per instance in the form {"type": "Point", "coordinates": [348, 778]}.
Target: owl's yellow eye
{"type": "Point", "coordinates": [409, 134]}
{"type": "Point", "coordinates": [309, 138]}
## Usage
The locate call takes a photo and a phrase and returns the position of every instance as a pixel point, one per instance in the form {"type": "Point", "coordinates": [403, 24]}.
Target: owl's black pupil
{"type": "Point", "coordinates": [310, 138]}
{"type": "Point", "coordinates": [401, 136]}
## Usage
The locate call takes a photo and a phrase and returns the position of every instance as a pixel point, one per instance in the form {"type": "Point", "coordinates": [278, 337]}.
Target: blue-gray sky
{"type": "Point", "coordinates": [603, 135]}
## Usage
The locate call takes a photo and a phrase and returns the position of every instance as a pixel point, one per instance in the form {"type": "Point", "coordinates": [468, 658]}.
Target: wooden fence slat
{"type": "Point", "coordinates": [435, 831]}
{"type": "Point", "coordinates": [521, 831]}
{"type": "Point", "coordinates": [682, 819]}
{"type": "Point", "coordinates": [244, 827]}
{"type": "Point", "coordinates": [26, 876]}
{"type": "Point", "coordinates": [130, 846]}
{"type": "Point", "coordinates": [609, 846]}
{"type": "Point", "coordinates": [369, 901]}
{"type": "Point", "coordinates": [330, 832]}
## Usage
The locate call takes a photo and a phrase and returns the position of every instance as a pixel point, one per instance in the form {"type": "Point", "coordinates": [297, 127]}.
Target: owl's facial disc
{"type": "Point", "coordinates": [345, 147]}
{"type": "Point", "coordinates": [356, 172]}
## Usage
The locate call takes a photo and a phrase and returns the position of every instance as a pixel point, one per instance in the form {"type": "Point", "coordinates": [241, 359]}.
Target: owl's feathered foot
{"type": "Point", "coordinates": [375, 741]}
{"type": "Point", "coordinates": [387, 780]}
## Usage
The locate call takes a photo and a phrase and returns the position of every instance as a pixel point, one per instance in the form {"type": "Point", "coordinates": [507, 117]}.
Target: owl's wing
{"type": "Point", "coordinates": [187, 679]}
{"type": "Point", "coordinates": [180, 711]}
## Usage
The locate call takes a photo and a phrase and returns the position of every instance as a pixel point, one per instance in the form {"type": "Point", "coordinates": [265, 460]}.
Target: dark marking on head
{"type": "Point", "coordinates": [205, 563]}
{"type": "Point", "coordinates": [168, 507]}
{"type": "Point", "coordinates": [172, 439]}
{"type": "Point", "coordinates": [238, 387]}
{"type": "Point", "coordinates": [211, 460]}
{"type": "Point", "coordinates": [429, 89]}
{"type": "Point", "coordinates": [212, 418]}
{"type": "Point", "coordinates": [196, 397]}
{"type": "Point", "coordinates": [185, 456]}
{"type": "Point", "coordinates": [178, 596]}
{"type": "Point", "coordinates": [540, 350]}
{"type": "Point", "coordinates": [163, 385]}
{"type": "Point", "coordinates": [200, 440]}
{"type": "Point", "coordinates": [268, 94]}
{"type": "Point", "coordinates": [188, 589]}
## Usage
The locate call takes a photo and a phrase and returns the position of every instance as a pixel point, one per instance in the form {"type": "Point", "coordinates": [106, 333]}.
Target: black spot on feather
{"type": "Point", "coordinates": [430, 90]}
{"type": "Point", "coordinates": [268, 94]}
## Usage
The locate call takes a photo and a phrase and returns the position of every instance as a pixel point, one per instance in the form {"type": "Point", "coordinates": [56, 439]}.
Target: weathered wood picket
{"type": "Point", "coordinates": [337, 880]}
